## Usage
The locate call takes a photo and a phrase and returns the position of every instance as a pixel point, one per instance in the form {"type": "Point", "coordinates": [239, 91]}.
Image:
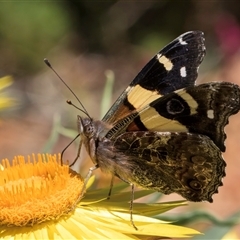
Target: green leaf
{"type": "Point", "coordinates": [107, 92]}
{"type": "Point", "coordinates": [54, 135]}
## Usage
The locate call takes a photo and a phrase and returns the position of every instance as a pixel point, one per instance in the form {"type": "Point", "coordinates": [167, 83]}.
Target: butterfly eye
{"type": "Point", "coordinates": [195, 185]}
{"type": "Point", "coordinates": [89, 129]}
{"type": "Point", "coordinates": [80, 124]}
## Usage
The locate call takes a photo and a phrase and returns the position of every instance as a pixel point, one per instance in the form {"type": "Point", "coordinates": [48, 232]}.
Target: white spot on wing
{"type": "Point", "coordinates": [210, 114]}
{"type": "Point", "coordinates": [183, 72]}
{"type": "Point", "coordinates": [182, 42]}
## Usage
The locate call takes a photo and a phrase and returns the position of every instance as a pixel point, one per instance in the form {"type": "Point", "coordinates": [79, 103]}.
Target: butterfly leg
{"type": "Point", "coordinates": [111, 186]}
{"type": "Point", "coordinates": [91, 169]}
{"type": "Point", "coordinates": [63, 151]}
{"type": "Point", "coordinates": [78, 152]}
{"type": "Point", "coordinates": [131, 200]}
{"type": "Point", "coordinates": [131, 207]}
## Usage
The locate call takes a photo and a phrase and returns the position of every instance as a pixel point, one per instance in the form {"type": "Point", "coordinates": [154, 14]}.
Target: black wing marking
{"type": "Point", "coordinates": [174, 67]}
{"type": "Point", "coordinates": [202, 109]}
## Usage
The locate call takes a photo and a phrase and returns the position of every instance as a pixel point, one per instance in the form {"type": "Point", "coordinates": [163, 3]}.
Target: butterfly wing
{"type": "Point", "coordinates": [174, 67]}
{"type": "Point", "coordinates": [202, 109]}
{"type": "Point", "coordinates": [188, 164]}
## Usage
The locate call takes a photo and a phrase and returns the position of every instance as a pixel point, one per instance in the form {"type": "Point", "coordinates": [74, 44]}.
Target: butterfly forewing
{"type": "Point", "coordinates": [202, 109]}
{"type": "Point", "coordinates": [178, 62]}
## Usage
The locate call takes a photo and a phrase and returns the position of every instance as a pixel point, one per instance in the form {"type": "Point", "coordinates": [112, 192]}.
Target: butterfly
{"type": "Point", "coordinates": [164, 132]}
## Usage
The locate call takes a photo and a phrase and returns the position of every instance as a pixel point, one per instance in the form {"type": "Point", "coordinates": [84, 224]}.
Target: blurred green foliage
{"type": "Point", "coordinates": [29, 29]}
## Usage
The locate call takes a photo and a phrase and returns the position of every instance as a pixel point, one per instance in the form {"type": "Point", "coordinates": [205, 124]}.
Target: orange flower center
{"type": "Point", "coordinates": [35, 191]}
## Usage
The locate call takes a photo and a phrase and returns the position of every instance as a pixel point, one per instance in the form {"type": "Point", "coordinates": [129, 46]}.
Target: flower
{"type": "Point", "coordinates": [40, 198]}
{"type": "Point", "coordinates": [5, 102]}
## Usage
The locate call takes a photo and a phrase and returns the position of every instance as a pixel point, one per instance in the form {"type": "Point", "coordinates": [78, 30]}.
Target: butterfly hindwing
{"type": "Point", "coordinates": [188, 164]}
{"type": "Point", "coordinates": [174, 67]}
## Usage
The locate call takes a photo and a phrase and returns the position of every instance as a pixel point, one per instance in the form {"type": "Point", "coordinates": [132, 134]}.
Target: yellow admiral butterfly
{"type": "Point", "coordinates": [164, 132]}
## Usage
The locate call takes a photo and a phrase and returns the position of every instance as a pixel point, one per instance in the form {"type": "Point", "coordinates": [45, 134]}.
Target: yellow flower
{"type": "Point", "coordinates": [5, 102]}
{"type": "Point", "coordinates": [42, 199]}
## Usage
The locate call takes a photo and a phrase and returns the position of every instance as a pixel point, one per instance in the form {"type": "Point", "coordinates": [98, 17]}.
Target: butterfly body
{"type": "Point", "coordinates": [164, 132]}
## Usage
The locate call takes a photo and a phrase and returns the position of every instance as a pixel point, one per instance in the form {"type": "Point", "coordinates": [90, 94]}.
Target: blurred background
{"type": "Point", "coordinates": [83, 40]}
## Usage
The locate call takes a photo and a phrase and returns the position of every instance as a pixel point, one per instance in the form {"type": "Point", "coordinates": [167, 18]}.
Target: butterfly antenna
{"type": "Point", "coordinates": [84, 109]}
{"type": "Point", "coordinates": [75, 106]}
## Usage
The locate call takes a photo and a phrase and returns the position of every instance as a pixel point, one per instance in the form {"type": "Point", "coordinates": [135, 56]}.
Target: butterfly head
{"type": "Point", "coordinates": [88, 128]}
{"type": "Point", "coordinates": [91, 132]}
{"type": "Point", "coordinates": [85, 127]}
